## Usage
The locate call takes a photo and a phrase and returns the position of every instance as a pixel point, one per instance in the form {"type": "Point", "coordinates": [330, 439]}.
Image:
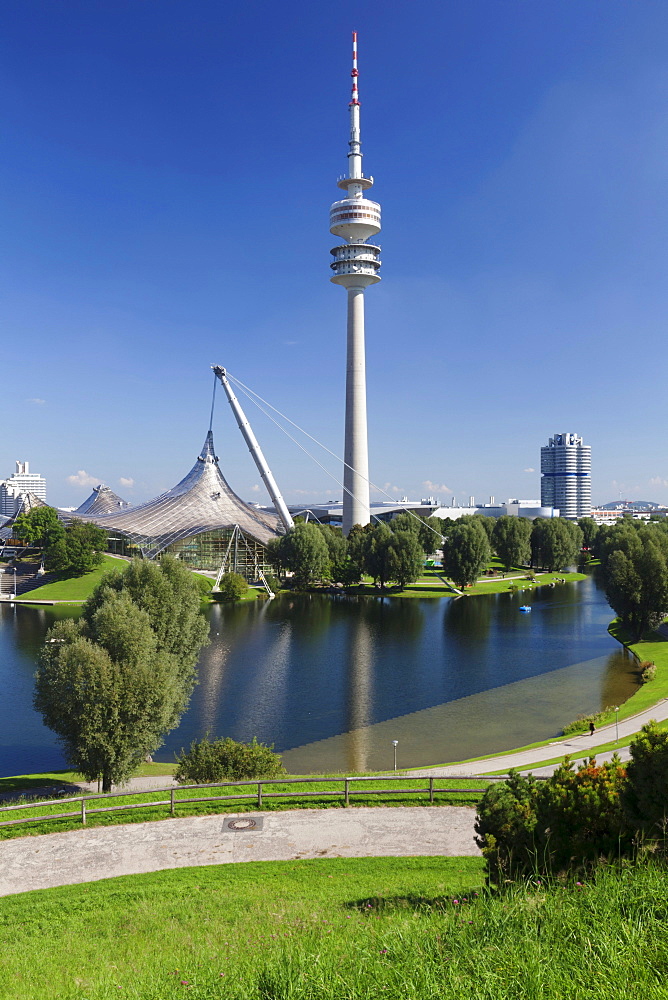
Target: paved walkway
{"type": "Point", "coordinates": [579, 747]}
{"type": "Point", "coordinates": [89, 855]}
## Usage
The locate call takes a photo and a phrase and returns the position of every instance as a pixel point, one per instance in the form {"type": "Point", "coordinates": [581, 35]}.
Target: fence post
{"type": "Point", "coordinates": [83, 811]}
{"type": "Point", "coordinates": [171, 801]}
{"type": "Point", "coordinates": [346, 793]}
{"type": "Point", "coordinates": [431, 791]}
{"type": "Point", "coordinates": [259, 794]}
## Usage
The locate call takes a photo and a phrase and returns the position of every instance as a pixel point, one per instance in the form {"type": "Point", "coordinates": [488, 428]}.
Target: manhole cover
{"type": "Point", "coordinates": [243, 824]}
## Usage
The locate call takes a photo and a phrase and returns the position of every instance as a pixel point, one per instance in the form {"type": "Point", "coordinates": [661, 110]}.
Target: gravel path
{"type": "Point", "coordinates": [89, 855]}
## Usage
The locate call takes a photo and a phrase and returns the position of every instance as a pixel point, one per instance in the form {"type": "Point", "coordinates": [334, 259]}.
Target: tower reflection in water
{"type": "Point", "coordinates": [359, 701]}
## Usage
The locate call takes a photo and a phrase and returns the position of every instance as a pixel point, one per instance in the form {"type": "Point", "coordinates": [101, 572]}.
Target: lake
{"type": "Point", "coordinates": [332, 680]}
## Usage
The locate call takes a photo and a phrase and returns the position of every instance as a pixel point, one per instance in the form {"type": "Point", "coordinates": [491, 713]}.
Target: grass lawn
{"type": "Point", "coordinates": [24, 782]}
{"type": "Point", "coordinates": [75, 588]}
{"type": "Point", "coordinates": [430, 584]}
{"type": "Point", "coordinates": [306, 795]}
{"type": "Point", "coordinates": [339, 929]}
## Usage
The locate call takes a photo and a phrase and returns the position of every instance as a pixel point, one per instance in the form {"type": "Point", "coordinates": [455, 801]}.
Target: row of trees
{"type": "Point", "coordinates": [113, 682]}
{"type": "Point", "coordinates": [76, 549]}
{"type": "Point", "coordinates": [316, 552]}
{"type": "Point", "coordinates": [570, 821]}
{"type": "Point", "coordinates": [395, 551]}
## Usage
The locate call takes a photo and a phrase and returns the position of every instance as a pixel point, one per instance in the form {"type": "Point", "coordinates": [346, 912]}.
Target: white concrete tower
{"type": "Point", "coordinates": [355, 266]}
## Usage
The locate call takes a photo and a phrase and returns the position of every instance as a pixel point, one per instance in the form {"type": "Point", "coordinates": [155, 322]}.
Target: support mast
{"type": "Point", "coordinates": [255, 450]}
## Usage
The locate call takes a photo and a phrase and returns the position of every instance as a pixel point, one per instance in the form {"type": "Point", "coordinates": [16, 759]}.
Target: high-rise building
{"type": "Point", "coordinates": [13, 489]}
{"type": "Point", "coordinates": [565, 464]}
{"type": "Point", "coordinates": [356, 219]}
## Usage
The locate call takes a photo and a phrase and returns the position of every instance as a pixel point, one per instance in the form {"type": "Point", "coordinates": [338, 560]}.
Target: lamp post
{"type": "Point", "coordinates": [616, 723]}
{"type": "Point", "coordinates": [14, 594]}
{"type": "Point", "coordinates": [394, 744]}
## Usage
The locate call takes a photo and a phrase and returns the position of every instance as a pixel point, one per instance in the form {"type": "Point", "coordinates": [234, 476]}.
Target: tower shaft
{"type": "Point", "coordinates": [356, 451]}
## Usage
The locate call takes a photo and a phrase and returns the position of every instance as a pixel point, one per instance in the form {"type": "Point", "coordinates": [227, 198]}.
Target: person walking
{"type": "Point", "coordinates": [592, 728]}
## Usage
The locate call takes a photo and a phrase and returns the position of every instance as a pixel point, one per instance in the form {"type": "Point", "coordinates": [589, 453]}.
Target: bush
{"type": "Point", "coordinates": [227, 760]}
{"type": "Point", "coordinates": [567, 822]}
{"type": "Point", "coordinates": [505, 825]}
{"type": "Point", "coordinates": [645, 797]}
{"type": "Point", "coordinates": [232, 587]}
{"type": "Point", "coordinates": [647, 670]}
{"type": "Point", "coordinates": [581, 724]}
{"type": "Point", "coordinates": [204, 584]}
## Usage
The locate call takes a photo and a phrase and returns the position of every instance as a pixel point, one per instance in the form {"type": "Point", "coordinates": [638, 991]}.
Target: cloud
{"type": "Point", "coordinates": [36, 401]}
{"type": "Point", "coordinates": [529, 469]}
{"type": "Point", "coordinates": [126, 481]}
{"type": "Point", "coordinates": [83, 478]}
{"type": "Point", "coordinates": [436, 487]}
{"type": "Point", "coordinates": [658, 481]}
{"type": "Point", "coordinates": [290, 343]}
{"type": "Point", "coordinates": [255, 489]}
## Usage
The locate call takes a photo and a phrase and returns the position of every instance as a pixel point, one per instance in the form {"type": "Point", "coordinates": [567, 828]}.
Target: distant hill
{"type": "Point", "coordinates": [632, 505]}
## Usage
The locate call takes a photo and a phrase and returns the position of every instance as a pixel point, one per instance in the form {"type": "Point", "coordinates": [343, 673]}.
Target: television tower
{"type": "Point", "coordinates": [355, 266]}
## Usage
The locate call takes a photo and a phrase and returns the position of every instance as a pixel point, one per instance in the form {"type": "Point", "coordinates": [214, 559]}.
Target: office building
{"type": "Point", "coordinates": [15, 488]}
{"type": "Point", "coordinates": [565, 464]}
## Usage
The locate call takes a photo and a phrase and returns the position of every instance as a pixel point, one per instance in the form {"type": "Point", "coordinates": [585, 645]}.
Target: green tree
{"type": "Point", "coordinates": [466, 551]}
{"type": "Point", "coordinates": [337, 548]}
{"type": "Point", "coordinates": [486, 523]}
{"type": "Point", "coordinates": [111, 684]}
{"type": "Point", "coordinates": [589, 529]}
{"type": "Point", "coordinates": [232, 587]}
{"type": "Point", "coordinates": [512, 541]}
{"type": "Point", "coordinates": [84, 545]}
{"type": "Point", "coordinates": [407, 557]}
{"type": "Point", "coordinates": [555, 543]}
{"type": "Point", "coordinates": [646, 794]}
{"type": "Point", "coordinates": [429, 530]}
{"type": "Point", "coordinates": [634, 567]}
{"type": "Point", "coordinates": [34, 526]}
{"type": "Point", "coordinates": [378, 554]}
{"type": "Point", "coordinates": [303, 551]}
{"type": "Point", "coordinates": [226, 760]}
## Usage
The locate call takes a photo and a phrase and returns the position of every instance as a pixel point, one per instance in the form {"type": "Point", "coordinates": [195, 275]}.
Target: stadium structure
{"type": "Point", "coordinates": [201, 520]}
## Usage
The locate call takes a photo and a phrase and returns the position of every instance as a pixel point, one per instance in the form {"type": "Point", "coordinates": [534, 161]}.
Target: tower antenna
{"type": "Point", "coordinates": [355, 219]}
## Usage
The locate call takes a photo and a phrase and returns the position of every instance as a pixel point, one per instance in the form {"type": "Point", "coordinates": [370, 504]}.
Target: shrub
{"type": "Point", "coordinates": [227, 760]}
{"type": "Point", "coordinates": [645, 797]}
{"type": "Point", "coordinates": [581, 724]}
{"type": "Point", "coordinates": [232, 587]}
{"type": "Point", "coordinates": [647, 670]}
{"type": "Point", "coordinates": [580, 816]}
{"type": "Point", "coordinates": [567, 822]}
{"type": "Point", "coordinates": [204, 584]}
{"type": "Point", "coordinates": [505, 825]}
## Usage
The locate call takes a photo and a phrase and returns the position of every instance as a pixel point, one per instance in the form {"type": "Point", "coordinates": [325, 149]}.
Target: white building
{"type": "Point", "coordinates": [13, 489]}
{"type": "Point", "coordinates": [565, 464]}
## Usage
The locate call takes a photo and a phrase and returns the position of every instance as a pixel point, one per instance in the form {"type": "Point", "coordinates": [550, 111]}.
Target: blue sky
{"type": "Point", "coordinates": [167, 170]}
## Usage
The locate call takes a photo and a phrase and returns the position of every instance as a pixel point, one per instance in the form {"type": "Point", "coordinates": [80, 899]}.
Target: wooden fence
{"type": "Point", "coordinates": [259, 794]}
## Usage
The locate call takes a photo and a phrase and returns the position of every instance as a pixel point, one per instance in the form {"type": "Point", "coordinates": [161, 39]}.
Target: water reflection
{"type": "Point", "coordinates": [359, 690]}
{"type": "Point", "coordinates": [469, 619]}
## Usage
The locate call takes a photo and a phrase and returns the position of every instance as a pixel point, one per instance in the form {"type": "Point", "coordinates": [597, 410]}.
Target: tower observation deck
{"type": "Point", "coordinates": [355, 219]}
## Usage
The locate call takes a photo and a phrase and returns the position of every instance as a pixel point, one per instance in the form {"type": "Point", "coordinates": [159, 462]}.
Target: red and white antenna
{"type": "Point", "coordinates": [355, 72]}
